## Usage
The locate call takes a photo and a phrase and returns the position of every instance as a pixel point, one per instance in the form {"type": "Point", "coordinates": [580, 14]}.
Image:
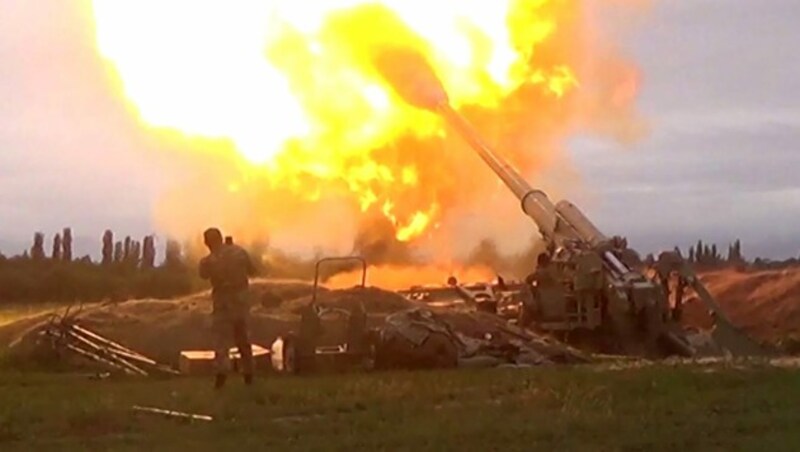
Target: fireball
{"type": "Point", "coordinates": [288, 92]}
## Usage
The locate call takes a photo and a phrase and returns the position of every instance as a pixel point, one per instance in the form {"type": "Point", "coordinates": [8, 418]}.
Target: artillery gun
{"type": "Point", "coordinates": [587, 282]}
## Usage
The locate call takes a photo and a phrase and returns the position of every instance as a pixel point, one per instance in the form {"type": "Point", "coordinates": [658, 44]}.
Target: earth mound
{"type": "Point", "coordinates": [161, 329]}
{"type": "Point", "coordinates": [766, 304]}
{"type": "Point", "coordinates": [375, 301]}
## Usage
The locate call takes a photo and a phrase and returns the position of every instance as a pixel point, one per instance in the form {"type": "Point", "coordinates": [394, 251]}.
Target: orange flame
{"type": "Point", "coordinates": [392, 277]}
{"type": "Point", "coordinates": [288, 90]}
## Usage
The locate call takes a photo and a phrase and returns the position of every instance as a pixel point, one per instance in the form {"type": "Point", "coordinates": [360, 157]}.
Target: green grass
{"type": "Point", "coordinates": [658, 408]}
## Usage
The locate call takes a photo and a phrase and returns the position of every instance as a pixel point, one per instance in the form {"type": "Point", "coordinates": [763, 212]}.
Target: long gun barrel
{"type": "Point", "coordinates": [535, 203]}
{"type": "Point", "coordinates": [555, 221]}
{"type": "Point", "coordinates": [412, 77]}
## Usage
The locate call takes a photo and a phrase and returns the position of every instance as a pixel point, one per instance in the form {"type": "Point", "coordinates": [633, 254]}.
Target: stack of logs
{"type": "Point", "coordinates": [66, 336]}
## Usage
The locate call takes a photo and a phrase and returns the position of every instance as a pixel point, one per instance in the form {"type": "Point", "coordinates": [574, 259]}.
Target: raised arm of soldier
{"type": "Point", "coordinates": [243, 256]}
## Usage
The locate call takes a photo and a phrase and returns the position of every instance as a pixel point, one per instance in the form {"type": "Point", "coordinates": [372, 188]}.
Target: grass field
{"type": "Point", "coordinates": [658, 408]}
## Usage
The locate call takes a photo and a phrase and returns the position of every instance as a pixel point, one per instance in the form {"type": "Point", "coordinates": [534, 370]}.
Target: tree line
{"type": "Point", "coordinates": [128, 268]}
{"type": "Point", "coordinates": [708, 256]}
{"type": "Point", "coordinates": [704, 254]}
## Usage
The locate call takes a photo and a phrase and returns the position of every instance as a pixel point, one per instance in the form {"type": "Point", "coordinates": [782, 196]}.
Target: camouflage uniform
{"type": "Point", "coordinates": [228, 269]}
{"type": "Point", "coordinates": [541, 284]}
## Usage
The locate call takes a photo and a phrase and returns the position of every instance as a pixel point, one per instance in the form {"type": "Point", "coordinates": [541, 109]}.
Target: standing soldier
{"type": "Point", "coordinates": [535, 283]}
{"type": "Point", "coordinates": [228, 268]}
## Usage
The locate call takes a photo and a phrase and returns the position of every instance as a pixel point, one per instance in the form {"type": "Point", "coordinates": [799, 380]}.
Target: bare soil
{"type": "Point", "coordinates": [161, 329]}
{"type": "Point", "coordinates": [766, 304]}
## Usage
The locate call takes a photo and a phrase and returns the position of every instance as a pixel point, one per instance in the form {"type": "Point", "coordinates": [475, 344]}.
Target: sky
{"type": "Point", "coordinates": [720, 91]}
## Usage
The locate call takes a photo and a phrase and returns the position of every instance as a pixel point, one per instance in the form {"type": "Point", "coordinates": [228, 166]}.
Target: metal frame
{"type": "Point", "coordinates": [338, 259]}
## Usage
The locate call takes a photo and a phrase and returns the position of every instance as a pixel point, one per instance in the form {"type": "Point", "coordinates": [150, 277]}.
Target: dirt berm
{"type": "Point", "coordinates": [765, 304]}
{"type": "Point", "coordinates": [160, 329]}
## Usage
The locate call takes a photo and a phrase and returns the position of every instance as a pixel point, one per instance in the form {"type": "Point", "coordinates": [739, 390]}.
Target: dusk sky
{"type": "Point", "coordinates": [720, 90]}
{"type": "Point", "coordinates": [720, 93]}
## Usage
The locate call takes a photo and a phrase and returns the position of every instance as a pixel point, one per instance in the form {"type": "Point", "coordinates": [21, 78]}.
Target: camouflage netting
{"type": "Point", "coordinates": [427, 338]}
{"type": "Point", "coordinates": [480, 326]}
